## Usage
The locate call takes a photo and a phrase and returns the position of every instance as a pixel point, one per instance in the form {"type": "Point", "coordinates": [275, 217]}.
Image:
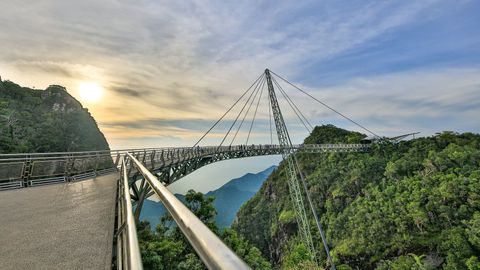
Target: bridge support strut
{"type": "Point", "coordinates": [292, 168]}
{"type": "Point", "coordinates": [293, 173]}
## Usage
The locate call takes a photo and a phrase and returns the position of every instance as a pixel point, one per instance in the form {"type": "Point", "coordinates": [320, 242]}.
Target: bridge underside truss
{"type": "Point", "coordinates": [169, 164]}
{"type": "Point", "coordinates": [172, 164]}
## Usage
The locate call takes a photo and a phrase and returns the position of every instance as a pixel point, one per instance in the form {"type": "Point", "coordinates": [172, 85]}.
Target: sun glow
{"type": "Point", "coordinates": [90, 92]}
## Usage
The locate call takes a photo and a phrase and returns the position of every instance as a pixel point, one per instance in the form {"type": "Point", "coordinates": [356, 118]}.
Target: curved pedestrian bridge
{"type": "Point", "coordinates": [73, 210]}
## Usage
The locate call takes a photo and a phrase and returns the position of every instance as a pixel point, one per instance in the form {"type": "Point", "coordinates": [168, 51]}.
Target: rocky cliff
{"type": "Point", "coordinates": [47, 120]}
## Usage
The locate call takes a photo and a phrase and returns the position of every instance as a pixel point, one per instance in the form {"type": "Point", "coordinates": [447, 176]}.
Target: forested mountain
{"type": "Point", "coordinates": [152, 211]}
{"type": "Point", "coordinates": [411, 205]}
{"type": "Point", "coordinates": [228, 199]}
{"type": "Point", "coordinates": [167, 248]}
{"type": "Point", "coordinates": [45, 121]}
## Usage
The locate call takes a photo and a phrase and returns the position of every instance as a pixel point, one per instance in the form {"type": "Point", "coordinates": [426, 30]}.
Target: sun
{"type": "Point", "coordinates": [90, 92]}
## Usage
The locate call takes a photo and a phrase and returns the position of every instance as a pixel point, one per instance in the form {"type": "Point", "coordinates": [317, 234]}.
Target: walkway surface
{"type": "Point", "coordinates": [61, 226]}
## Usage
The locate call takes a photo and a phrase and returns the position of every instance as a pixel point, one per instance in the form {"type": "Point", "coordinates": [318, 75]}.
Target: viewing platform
{"type": "Point", "coordinates": [63, 226]}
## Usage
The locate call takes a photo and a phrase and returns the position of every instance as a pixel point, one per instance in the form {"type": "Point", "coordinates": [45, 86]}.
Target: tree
{"type": "Point", "coordinates": [167, 248]}
{"type": "Point", "coordinates": [415, 197]}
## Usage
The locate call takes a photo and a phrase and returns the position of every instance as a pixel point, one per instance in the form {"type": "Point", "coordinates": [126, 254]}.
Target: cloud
{"type": "Point", "coordinates": [164, 65]}
{"type": "Point", "coordinates": [47, 67]}
{"type": "Point", "coordinates": [191, 129]}
{"type": "Point", "coordinates": [427, 101]}
{"type": "Point", "coordinates": [129, 92]}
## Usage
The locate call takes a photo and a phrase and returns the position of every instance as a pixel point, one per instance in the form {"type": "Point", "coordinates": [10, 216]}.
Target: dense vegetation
{"type": "Point", "coordinates": [167, 248]}
{"type": "Point", "coordinates": [411, 205]}
{"type": "Point", "coordinates": [45, 121]}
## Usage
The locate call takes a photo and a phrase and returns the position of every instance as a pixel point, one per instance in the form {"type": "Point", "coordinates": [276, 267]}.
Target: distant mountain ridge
{"type": "Point", "coordinates": [228, 198]}
{"type": "Point", "coordinates": [249, 182]}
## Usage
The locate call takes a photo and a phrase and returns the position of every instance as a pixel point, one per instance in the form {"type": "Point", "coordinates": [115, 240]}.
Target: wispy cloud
{"type": "Point", "coordinates": [184, 60]}
{"type": "Point", "coordinates": [427, 101]}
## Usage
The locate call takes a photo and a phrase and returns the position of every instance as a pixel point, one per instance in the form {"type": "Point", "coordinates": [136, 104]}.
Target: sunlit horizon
{"type": "Point", "coordinates": [90, 92]}
{"type": "Point", "coordinates": [395, 67]}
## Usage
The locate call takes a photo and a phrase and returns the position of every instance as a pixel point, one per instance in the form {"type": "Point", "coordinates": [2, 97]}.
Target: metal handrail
{"type": "Point", "coordinates": [30, 166]}
{"type": "Point", "coordinates": [211, 250]}
{"type": "Point", "coordinates": [128, 251]}
{"type": "Point", "coordinates": [124, 151]}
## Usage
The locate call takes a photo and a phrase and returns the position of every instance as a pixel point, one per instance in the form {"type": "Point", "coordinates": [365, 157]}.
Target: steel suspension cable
{"type": "Point", "coordinates": [270, 118]}
{"type": "Point", "coordinates": [220, 119]}
{"type": "Point", "coordinates": [248, 110]}
{"type": "Point", "coordinates": [238, 115]}
{"type": "Point", "coordinates": [307, 193]}
{"type": "Point", "coordinates": [284, 93]}
{"type": "Point", "coordinates": [255, 114]}
{"type": "Point", "coordinates": [301, 120]}
{"type": "Point", "coordinates": [309, 199]}
{"type": "Point", "coordinates": [314, 212]}
{"type": "Point", "coordinates": [327, 106]}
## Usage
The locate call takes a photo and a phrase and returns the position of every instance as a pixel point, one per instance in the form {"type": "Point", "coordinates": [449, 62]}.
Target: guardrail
{"type": "Point", "coordinates": [128, 251]}
{"type": "Point", "coordinates": [30, 169]}
{"type": "Point", "coordinates": [37, 169]}
{"type": "Point", "coordinates": [211, 250]}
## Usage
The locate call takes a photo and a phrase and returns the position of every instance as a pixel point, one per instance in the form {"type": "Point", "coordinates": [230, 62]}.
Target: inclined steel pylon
{"type": "Point", "coordinates": [292, 170]}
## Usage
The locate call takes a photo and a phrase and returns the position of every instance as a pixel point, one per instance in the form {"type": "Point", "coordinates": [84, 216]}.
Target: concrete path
{"type": "Point", "coordinates": [61, 226]}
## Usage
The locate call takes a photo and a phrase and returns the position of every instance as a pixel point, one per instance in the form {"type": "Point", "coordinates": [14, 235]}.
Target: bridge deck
{"type": "Point", "coordinates": [61, 226]}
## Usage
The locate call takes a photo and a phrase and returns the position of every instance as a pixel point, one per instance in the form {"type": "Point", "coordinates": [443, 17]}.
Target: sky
{"type": "Point", "coordinates": [164, 71]}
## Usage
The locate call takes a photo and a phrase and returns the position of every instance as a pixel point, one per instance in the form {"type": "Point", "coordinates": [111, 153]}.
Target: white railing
{"type": "Point", "coordinates": [128, 251]}
{"type": "Point", "coordinates": [211, 250]}
{"type": "Point", "coordinates": [23, 169]}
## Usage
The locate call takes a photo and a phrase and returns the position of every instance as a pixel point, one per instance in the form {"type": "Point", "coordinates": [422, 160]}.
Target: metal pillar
{"type": "Point", "coordinates": [142, 195]}
{"type": "Point", "coordinates": [291, 169]}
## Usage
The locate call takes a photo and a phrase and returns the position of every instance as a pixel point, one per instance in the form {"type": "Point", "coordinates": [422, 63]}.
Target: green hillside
{"type": "Point", "coordinates": [228, 199]}
{"type": "Point", "coordinates": [411, 205]}
{"type": "Point", "coordinates": [47, 120]}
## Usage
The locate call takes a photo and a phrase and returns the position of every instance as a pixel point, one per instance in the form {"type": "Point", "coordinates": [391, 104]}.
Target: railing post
{"type": "Point", "coordinates": [71, 167]}
{"type": "Point", "coordinates": [66, 173]}
{"type": "Point", "coordinates": [152, 159]}
{"type": "Point", "coordinates": [97, 157]}
{"type": "Point", "coordinates": [144, 156]}
{"type": "Point", "coordinates": [117, 159]}
{"type": "Point", "coordinates": [27, 170]}
{"type": "Point", "coordinates": [130, 168]}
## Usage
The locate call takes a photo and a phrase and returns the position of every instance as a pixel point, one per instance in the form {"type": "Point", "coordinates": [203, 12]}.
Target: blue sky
{"type": "Point", "coordinates": [448, 38]}
{"type": "Point", "coordinates": [168, 69]}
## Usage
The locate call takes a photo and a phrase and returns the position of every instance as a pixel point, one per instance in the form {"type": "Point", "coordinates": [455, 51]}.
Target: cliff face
{"type": "Point", "coordinates": [411, 205]}
{"type": "Point", "coordinates": [47, 120]}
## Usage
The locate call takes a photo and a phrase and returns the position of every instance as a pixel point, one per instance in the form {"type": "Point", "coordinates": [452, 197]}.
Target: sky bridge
{"type": "Point", "coordinates": [73, 210]}
{"type": "Point", "coordinates": [59, 209]}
